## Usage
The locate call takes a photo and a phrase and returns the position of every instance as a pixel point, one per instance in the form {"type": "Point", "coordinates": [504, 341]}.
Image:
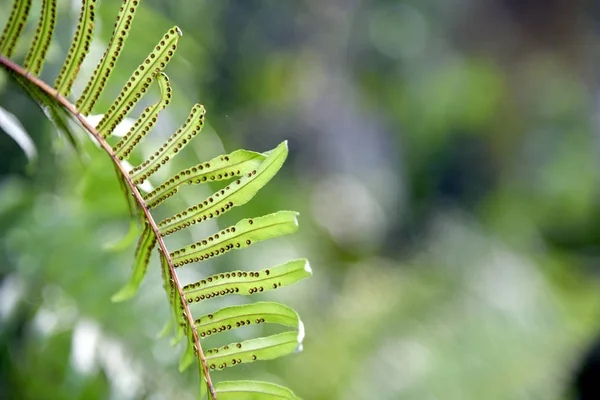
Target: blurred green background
{"type": "Point", "coordinates": [443, 156]}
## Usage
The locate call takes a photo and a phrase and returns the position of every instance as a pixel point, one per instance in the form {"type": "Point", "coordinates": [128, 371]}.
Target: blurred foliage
{"type": "Point", "coordinates": [444, 157]}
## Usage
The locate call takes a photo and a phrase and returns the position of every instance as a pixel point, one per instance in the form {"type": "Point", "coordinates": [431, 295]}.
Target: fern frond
{"type": "Point", "coordinates": [105, 67]}
{"type": "Point", "coordinates": [80, 47]}
{"type": "Point", "coordinates": [219, 168]}
{"type": "Point", "coordinates": [146, 121]}
{"type": "Point", "coordinates": [14, 26]}
{"type": "Point", "coordinates": [252, 390]}
{"type": "Point", "coordinates": [126, 241]}
{"type": "Point", "coordinates": [134, 207]}
{"type": "Point", "coordinates": [248, 314]}
{"type": "Point", "coordinates": [171, 147]}
{"type": "Point", "coordinates": [249, 351]}
{"type": "Point", "coordinates": [139, 82]}
{"type": "Point", "coordinates": [236, 194]}
{"type": "Point", "coordinates": [243, 234]}
{"type": "Point", "coordinates": [247, 171]}
{"type": "Point", "coordinates": [144, 249]}
{"type": "Point", "coordinates": [189, 355]}
{"type": "Point", "coordinates": [56, 114]}
{"type": "Point", "coordinates": [34, 61]}
{"type": "Point", "coordinates": [247, 283]}
{"type": "Point", "coordinates": [174, 300]}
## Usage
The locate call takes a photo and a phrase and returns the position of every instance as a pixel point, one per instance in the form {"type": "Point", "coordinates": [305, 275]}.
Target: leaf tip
{"type": "Point", "coordinates": [300, 336]}
{"type": "Point", "coordinates": [290, 217]}
{"type": "Point", "coordinates": [307, 267]}
{"type": "Point", "coordinates": [283, 148]}
{"type": "Point", "coordinates": [186, 360]}
{"type": "Point", "coordinates": [165, 330]}
{"type": "Point", "coordinates": [127, 292]}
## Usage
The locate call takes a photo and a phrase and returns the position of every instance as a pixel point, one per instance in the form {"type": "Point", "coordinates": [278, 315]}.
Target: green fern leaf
{"type": "Point", "coordinates": [174, 300]}
{"type": "Point", "coordinates": [189, 355]}
{"type": "Point", "coordinates": [252, 390]}
{"type": "Point", "coordinates": [243, 234]}
{"type": "Point", "coordinates": [138, 83]}
{"type": "Point", "coordinates": [134, 207]}
{"type": "Point", "coordinates": [146, 120]}
{"type": "Point", "coordinates": [80, 47]}
{"type": "Point", "coordinates": [248, 351]}
{"type": "Point", "coordinates": [54, 112]}
{"type": "Point", "coordinates": [247, 283]}
{"type": "Point", "coordinates": [219, 168]}
{"type": "Point", "coordinates": [236, 194]}
{"type": "Point", "coordinates": [34, 61]}
{"type": "Point", "coordinates": [14, 26]}
{"type": "Point", "coordinates": [125, 241]}
{"type": "Point", "coordinates": [248, 172]}
{"type": "Point", "coordinates": [142, 258]}
{"type": "Point", "coordinates": [104, 69]}
{"type": "Point", "coordinates": [248, 314]}
{"type": "Point", "coordinates": [171, 147]}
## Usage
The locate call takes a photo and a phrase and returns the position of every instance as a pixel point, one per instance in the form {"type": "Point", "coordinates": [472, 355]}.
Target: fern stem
{"type": "Point", "coordinates": [7, 63]}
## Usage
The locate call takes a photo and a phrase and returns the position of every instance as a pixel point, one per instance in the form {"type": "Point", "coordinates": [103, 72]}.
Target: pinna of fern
{"type": "Point", "coordinates": [244, 173]}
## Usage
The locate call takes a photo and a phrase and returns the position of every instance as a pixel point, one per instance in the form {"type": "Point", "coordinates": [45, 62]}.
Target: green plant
{"type": "Point", "coordinates": [246, 173]}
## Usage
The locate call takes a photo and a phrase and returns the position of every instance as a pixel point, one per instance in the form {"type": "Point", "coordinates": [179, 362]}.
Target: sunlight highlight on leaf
{"type": "Point", "coordinates": [13, 128]}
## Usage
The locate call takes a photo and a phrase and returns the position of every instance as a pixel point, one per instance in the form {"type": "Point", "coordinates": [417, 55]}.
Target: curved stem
{"type": "Point", "coordinates": [136, 193]}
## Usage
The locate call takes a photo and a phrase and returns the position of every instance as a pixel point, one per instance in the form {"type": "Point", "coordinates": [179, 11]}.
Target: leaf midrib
{"type": "Point", "coordinates": [244, 351]}
{"type": "Point", "coordinates": [195, 290]}
{"type": "Point", "coordinates": [243, 316]}
{"type": "Point", "coordinates": [195, 252]}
